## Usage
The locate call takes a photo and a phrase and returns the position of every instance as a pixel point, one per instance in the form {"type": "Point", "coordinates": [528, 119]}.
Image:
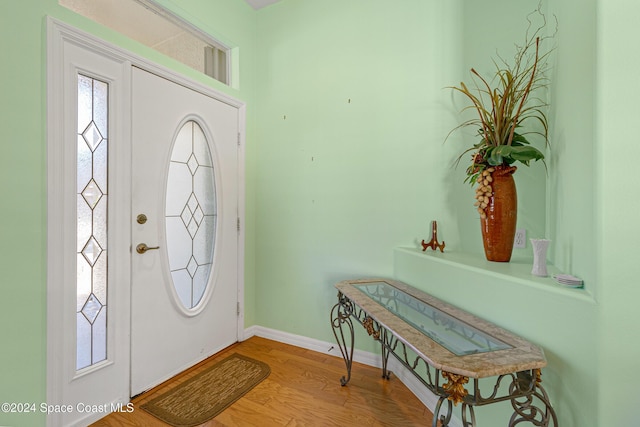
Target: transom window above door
{"type": "Point", "coordinates": [152, 25]}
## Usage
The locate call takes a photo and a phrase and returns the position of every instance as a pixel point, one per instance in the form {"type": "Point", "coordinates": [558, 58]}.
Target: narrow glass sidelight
{"type": "Point", "coordinates": [191, 214]}
{"type": "Point", "coordinates": [91, 225]}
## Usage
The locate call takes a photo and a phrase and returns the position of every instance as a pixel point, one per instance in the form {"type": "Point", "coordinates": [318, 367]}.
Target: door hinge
{"type": "Point", "coordinates": [238, 308]}
{"type": "Point", "coordinates": [239, 138]}
{"type": "Point", "coordinates": [238, 224]}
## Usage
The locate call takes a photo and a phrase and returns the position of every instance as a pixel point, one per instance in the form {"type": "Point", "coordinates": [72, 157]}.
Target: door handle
{"type": "Point", "coordinates": [142, 248]}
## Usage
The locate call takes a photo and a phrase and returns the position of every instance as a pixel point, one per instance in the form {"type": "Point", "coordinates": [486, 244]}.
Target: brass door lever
{"type": "Point", "coordinates": [142, 248]}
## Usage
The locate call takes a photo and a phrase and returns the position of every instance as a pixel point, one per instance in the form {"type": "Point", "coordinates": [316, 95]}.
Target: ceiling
{"type": "Point", "coordinates": [258, 4]}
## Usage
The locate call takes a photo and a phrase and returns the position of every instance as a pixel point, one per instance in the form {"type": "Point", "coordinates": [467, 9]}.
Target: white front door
{"type": "Point", "coordinates": [119, 322]}
{"type": "Point", "coordinates": [184, 289]}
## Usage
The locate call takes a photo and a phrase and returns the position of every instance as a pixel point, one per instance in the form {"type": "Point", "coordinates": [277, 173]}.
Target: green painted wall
{"type": "Point", "coordinates": [347, 112]}
{"type": "Point", "coordinates": [22, 191]}
{"type": "Point", "coordinates": [23, 172]}
{"type": "Point", "coordinates": [353, 113]}
{"type": "Point", "coordinates": [618, 229]}
{"type": "Point", "coordinates": [562, 321]}
{"type": "Point", "coordinates": [341, 183]}
{"type": "Point", "coordinates": [572, 213]}
{"type": "Point", "coordinates": [352, 119]}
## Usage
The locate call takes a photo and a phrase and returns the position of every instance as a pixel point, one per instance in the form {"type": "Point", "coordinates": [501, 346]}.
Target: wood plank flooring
{"type": "Point", "coordinates": [303, 389]}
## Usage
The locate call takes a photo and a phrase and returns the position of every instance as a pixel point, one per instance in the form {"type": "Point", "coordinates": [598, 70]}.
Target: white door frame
{"type": "Point", "coordinates": [60, 35]}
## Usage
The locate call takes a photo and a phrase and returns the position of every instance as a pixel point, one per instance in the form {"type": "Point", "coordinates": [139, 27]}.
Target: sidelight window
{"type": "Point", "coordinates": [91, 282]}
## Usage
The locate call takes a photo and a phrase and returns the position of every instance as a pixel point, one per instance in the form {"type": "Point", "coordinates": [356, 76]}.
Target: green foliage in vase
{"type": "Point", "coordinates": [504, 104]}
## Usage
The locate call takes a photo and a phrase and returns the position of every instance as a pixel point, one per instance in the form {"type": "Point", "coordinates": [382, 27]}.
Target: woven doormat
{"type": "Point", "coordinates": [204, 396]}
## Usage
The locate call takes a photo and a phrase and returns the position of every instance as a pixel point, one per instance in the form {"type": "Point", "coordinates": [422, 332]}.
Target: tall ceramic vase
{"type": "Point", "coordinates": [499, 223]}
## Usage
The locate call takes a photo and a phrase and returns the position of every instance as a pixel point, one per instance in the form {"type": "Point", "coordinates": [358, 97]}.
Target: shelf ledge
{"type": "Point", "coordinates": [517, 270]}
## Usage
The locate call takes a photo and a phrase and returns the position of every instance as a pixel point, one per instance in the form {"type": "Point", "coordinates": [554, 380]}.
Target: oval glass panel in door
{"type": "Point", "coordinates": [191, 214]}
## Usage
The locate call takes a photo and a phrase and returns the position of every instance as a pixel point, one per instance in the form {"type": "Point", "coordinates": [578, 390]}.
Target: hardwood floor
{"type": "Point", "coordinates": [303, 389]}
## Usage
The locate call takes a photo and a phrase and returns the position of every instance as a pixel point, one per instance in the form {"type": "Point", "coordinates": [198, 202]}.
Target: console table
{"type": "Point", "coordinates": [445, 348]}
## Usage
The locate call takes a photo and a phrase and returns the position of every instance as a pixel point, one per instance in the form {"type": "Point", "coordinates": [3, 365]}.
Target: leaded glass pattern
{"type": "Point", "coordinates": [190, 214]}
{"type": "Point", "coordinates": [91, 231]}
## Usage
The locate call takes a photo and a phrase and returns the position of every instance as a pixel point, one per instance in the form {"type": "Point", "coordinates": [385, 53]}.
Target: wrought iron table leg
{"type": "Point", "coordinates": [550, 414]}
{"type": "Point", "coordinates": [468, 423]}
{"type": "Point", "coordinates": [385, 354]}
{"type": "Point", "coordinates": [526, 412]}
{"type": "Point", "coordinates": [340, 316]}
{"type": "Point", "coordinates": [468, 415]}
{"type": "Point", "coordinates": [444, 419]}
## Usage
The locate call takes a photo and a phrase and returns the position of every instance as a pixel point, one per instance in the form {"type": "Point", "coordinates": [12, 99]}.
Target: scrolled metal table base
{"type": "Point", "coordinates": [526, 412]}
{"type": "Point", "coordinates": [524, 390]}
{"type": "Point", "coordinates": [340, 316]}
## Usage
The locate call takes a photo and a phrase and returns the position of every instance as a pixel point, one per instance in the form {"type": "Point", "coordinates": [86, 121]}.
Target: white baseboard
{"type": "Point", "coordinates": [367, 358]}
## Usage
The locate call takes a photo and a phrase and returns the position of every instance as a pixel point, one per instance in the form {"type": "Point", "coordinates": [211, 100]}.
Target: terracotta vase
{"type": "Point", "coordinates": [499, 226]}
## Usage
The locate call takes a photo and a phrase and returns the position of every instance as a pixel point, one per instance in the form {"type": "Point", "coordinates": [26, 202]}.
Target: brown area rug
{"type": "Point", "coordinates": [204, 396]}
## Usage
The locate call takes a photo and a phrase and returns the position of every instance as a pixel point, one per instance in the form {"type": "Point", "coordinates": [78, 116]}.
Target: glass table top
{"type": "Point", "coordinates": [458, 337]}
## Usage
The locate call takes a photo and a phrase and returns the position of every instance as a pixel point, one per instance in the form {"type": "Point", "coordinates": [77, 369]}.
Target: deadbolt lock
{"type": "Point", "coordinates": [141, 219]}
